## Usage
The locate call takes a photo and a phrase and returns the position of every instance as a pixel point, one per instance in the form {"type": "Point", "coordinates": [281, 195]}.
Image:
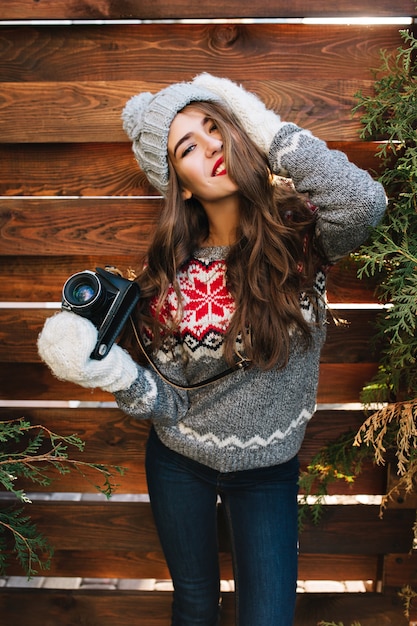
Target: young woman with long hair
{"type": "Point", "coordinates": [222, 354]}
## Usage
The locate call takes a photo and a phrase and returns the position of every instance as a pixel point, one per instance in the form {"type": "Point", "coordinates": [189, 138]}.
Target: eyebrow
{"type": "Point", "coordinates": [182, 140]}
{"type": "Point", "coordinates": [188, 135]}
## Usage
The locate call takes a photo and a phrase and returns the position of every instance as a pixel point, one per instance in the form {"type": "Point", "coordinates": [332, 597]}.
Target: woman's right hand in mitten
{"type": "Point", "coordinates": [65, 345]}
{"type": "Point", "coordinates": [260, 123]}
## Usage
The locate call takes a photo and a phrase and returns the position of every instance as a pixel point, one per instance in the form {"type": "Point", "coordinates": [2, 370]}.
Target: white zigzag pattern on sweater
{"type": "Point", "coordinates": [254, 442]}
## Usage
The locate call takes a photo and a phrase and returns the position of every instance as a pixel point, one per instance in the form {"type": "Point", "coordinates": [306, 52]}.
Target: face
{"type": "Point", "coordinates": [195, 149]}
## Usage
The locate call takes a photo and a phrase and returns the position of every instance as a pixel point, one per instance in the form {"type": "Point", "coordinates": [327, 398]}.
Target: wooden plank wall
{"type": "Point", "coordinates": [71, 198]}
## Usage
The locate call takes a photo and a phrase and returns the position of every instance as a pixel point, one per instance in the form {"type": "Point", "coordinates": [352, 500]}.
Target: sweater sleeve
{"type": "Point", "coordinates": [349, 201]}
{"type": "Point", "coordinates": [149, 397]}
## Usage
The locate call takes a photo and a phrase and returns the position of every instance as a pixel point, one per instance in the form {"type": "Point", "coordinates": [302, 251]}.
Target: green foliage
{"type": "Point", "coordinates": [389, 115]}
{"type": "Point", "coordinates": [31, 452]}
{"type": "Point", "coordinates": [31, 549]}
{"type": "Point", "coordinates": [338, 460]}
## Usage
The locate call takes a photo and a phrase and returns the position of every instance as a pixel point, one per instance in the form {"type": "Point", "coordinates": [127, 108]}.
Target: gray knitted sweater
{"type": "Point", "coordinates": [253, 418]}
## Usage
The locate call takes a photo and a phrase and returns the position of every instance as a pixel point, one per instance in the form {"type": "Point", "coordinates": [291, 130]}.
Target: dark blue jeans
{"type": "Point", "coordinates": [261, 510]}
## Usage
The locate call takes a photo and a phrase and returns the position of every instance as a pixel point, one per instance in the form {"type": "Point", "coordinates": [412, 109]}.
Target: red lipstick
{"type": "Point", "coordinates": [217, 164]}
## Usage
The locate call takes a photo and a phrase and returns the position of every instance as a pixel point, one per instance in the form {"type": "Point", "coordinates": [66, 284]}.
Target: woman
{"type": "Point", "coordinates": [232, 314]}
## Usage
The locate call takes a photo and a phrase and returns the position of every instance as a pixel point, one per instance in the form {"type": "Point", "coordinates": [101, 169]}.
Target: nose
{"type": "Point", "coordinates": [213, 145]}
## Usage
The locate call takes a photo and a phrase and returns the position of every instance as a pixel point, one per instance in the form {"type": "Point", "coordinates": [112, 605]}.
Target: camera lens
{"type": "Point", "coordinates": [83, 293]}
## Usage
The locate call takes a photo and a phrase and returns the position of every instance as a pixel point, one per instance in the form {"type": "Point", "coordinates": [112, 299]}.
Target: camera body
{"type": "Point", "coordinates": [106, 299]}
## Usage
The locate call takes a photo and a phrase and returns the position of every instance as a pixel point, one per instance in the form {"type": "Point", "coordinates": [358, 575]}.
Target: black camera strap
{"type": "Point", "coordinates": [242, 363]}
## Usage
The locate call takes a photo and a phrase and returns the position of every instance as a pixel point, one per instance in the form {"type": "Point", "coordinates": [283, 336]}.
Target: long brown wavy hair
{"type": "Point", "coordinates": [271, 262]}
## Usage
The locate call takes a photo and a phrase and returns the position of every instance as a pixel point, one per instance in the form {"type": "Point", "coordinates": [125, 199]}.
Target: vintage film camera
{"type": "Point", "coordinates": [104, 298]}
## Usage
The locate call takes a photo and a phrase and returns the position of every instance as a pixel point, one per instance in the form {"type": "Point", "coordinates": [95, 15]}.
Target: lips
{"type": "Point", "coordinates": [219, 168]}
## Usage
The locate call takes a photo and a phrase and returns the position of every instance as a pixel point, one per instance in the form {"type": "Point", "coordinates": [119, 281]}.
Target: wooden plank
{"type": "Point", "coordinates": [19, 329]}
{"type": "Point", "coordinates": [93, 540]}
{"type": "Point", "coordinates": [327, 426]}
{"type": "Point", "coordinates": [350, 343]}
{"type": "Point", "coordinates": [126, 527]}
{"type": "Point", "coordinates": [400, 570]}
{"type": "Point", "coordinates": [338, 567]}
{"type": "Point", "coordinates": [107, 563]}
{"type": "Point", "coordinates": [102, 228]}
{"type": "Point", "coordinates": [102, 169]}
{"type": "Point", "coordinates": [91, 607]}
{"type": "Point", "coordinates": [353, 376]}
{"type": "Point", "coordinates": [366, 609]}
{"type": "Point", "coordinates": [357, 529]}
{"type": "Point", "coordinates": [40, 278]}
{"type": "Point", "coordinates": [110, 564]}
{"type": "Point", "coordinates": [92, 169]}
{"type": "Point", "coordinates": [158, 54]}
{"type": "Point", "coordinates": [113, 438]}
{"type": "Point", "coordinates": [173, 9]}
{"type": "Point", "coordinates": [49, 607]}
{"type": "Point", "coordinates": [39, 384]}
{"type": "Point", "coordinates": [110, 436]}
{"type": "Point", "coordinates": [90, 111]}
{"type": "Point", "coordinates": [81, 95]}
{"type": "Point", "coordinates": [76, 226]}
{"type": "Point", "coordinates": [343, 284]}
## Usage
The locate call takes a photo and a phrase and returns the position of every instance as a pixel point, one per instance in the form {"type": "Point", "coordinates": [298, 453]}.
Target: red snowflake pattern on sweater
{"type": "Point", "coordinates": [207, 302]}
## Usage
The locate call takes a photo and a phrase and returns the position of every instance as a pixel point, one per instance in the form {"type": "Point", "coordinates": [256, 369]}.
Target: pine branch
{"type": "Point", "coordinates": [389, 115]}
{"type": "Point", "coordinates": [31, 452]}
{"type": "Point", "coordinates": [27, 542]}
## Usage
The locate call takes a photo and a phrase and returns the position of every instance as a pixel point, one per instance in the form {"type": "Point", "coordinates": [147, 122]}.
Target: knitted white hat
{"type": "Point", "coordinates": [147, 119]}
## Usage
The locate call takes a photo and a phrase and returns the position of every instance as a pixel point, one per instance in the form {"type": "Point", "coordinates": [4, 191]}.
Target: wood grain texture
{"type": "Point", "coordinates": [153, 55]}
{"type": "Point", "coordinates": [39, 384]}
{"type": "Point", "coordinates": [90, 111]}
{"type": "Point", "coordinates": [76, 226]}
{"type": "Point", "coordinates": [165, 9]}
{"type": "Point", "coordinates": [400, 570]}
{"type": "Point", "coordinates": [310, 78]}
{"type": "Point", "coordinates": [108, 564]}
{"type": "Point", "coordinates": [76, 199]}
{"type": "Point", "coordinates": [83, 169]}
{"type": "Point", "coordinates": [104, 169]}
{"type": "Point", "coordinates": [49, 607]}
{"type": "Point", "coordinates": [40, 278]}
{"type": "Point", "coordinates": [113, 438]}
{"type": "Point", "coordinates": [126, 527]}
{"type": "Point", "coordinates": [350, 344]}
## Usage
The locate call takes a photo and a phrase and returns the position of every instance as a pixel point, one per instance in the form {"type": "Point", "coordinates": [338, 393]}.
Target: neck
{"type": "Point", "coordinates": [223, 222]}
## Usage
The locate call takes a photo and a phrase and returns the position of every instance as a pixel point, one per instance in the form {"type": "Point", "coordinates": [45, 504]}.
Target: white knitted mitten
{"type": "Point", "coordinates": [65, 344]}
{"type": "Point", "coordinates": [260, 123]}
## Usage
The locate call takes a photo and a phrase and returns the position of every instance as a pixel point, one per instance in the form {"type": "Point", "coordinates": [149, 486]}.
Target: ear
{"type": "Point", "coordinates": [186, 194]}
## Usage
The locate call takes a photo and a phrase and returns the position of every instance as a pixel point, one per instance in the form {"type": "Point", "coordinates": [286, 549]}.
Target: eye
{"type": "Point", "coordinates": [213, 127]}
{"type": "Point", "coordinates": [187, 150]}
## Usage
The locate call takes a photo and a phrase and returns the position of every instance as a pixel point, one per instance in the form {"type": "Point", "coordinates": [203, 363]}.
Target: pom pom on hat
{"type": "Point", "coordinates": [147, 119]}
